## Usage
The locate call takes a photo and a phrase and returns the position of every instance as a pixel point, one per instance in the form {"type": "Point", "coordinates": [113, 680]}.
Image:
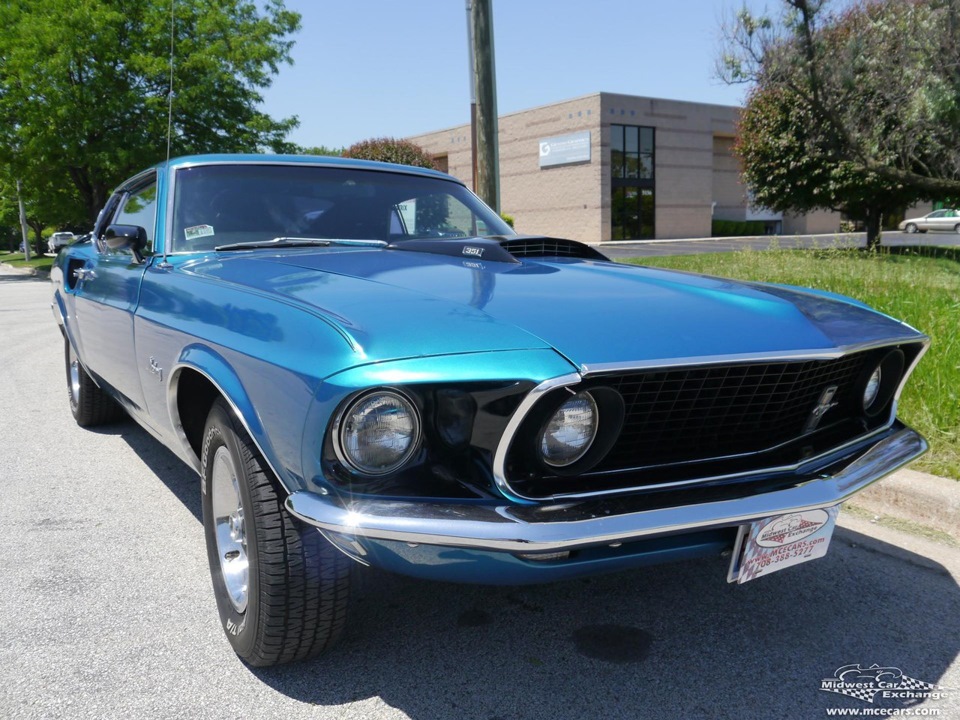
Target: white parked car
{"type": "Point", "coordinates": [937, 220]}
{"type": "Point", "coordinates": [59, 240]}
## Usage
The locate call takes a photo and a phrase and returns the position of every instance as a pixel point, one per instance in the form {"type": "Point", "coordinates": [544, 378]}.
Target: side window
{"type": "Point", "coordinates": [140, 208]}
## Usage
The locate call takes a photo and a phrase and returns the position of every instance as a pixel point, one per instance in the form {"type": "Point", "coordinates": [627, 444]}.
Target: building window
{"type": "Point", "coordinates": [632, 181]}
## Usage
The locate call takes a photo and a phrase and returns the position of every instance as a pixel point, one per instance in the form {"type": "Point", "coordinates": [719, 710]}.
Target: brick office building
{"type": "Point", "coordinates": [619, 167]}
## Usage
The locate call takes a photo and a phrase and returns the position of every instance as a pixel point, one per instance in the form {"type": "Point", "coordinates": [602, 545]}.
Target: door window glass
{"type": "Point", "coordinates": [140, 208]}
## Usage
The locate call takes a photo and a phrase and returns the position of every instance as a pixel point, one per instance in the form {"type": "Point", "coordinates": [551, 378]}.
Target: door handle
{"type": "Point", "coordinates": [84, 274]}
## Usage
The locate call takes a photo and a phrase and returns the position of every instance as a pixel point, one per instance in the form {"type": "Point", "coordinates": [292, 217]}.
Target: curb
{"type": "Point", "coordinates": [626, 244]}
{"type": "Point", "coordinates": [919, 498]}
{"type": "Point", "coordinates": [21, 271]}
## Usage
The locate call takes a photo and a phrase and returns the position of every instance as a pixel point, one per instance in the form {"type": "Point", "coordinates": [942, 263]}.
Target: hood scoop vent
{"type": "Point", "coordinates": [538, 246]}
{"type": "Point", "coordinates": [500, 248]}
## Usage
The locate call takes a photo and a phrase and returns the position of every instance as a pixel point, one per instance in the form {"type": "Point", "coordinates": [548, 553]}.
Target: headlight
{"type": "Point", "coordinates": [880, 385]}
{"type": "Point", "coordinates": [379, 433]}
{"type": "Point", "coordinates": [872, 389]}
{"type": "Point", "coordinates": [570, 431]}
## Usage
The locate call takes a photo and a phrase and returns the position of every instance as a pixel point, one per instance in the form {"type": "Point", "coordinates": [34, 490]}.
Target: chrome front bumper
{"type": "Point", "coordinates": [568, 526]}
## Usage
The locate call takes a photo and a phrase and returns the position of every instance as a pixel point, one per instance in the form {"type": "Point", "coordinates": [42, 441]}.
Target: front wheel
{"type": "Point", "coordinates": [956, 228]}
{"type": "Point", "coordinates": [282, 590]}
{"type": "Point", "coordinates": [911, 228]}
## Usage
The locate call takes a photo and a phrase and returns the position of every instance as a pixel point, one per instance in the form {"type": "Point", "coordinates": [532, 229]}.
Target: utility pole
{"type": "Point", "coordinates": [485, 92]}
{"type": "Point", "coordinates": [473, 101]}
{"type": "Point", "coordinates": [23, 224]}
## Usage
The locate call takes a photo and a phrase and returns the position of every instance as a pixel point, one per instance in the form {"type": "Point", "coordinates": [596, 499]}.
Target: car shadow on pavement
{"type": "Point", "coordinates": [666, 641]}
{"type": "Point", "coordinates": [168, 467]}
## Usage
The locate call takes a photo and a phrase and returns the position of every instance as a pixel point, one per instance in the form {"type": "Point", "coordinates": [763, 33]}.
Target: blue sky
{"type": "Point", "coordinates": [370, 68]}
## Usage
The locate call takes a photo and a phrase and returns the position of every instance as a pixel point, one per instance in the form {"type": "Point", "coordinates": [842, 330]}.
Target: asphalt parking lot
{"type": "Point", "coordinates": [108, 611]}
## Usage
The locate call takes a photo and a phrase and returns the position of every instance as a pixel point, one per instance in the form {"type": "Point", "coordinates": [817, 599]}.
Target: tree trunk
{"type": "Point", "coordinates": [873, 220]}
{"type": "Point", "coordinates": [39, 243]}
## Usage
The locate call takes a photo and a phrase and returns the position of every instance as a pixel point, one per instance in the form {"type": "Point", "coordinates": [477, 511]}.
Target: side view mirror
{"type": "Point", "coordinates": [126, 237]}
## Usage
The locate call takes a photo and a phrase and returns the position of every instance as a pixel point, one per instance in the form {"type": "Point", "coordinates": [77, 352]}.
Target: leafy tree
{"type": "Point", "coordinates": [84, 90]}
{"type": "Point", "coordinates": [790, 169]}
{"type": "Point", "coordinates": [320, 150]}
{"type": "Point", "coordinates": [44, 196]}
{"type": "Point", "coordinates": [857, 110]}
{"type": "Point", "coordinates": [402, 152]}
{"type": "Point", "coordinates": [431, 211]}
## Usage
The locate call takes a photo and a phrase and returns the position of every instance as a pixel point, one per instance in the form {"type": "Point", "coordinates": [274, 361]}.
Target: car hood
{"type": "Point", "coordinates": [396, 303]}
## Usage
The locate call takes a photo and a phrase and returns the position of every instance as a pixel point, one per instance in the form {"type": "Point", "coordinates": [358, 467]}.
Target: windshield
{"type": "Point", "coordinates": [216, 205]}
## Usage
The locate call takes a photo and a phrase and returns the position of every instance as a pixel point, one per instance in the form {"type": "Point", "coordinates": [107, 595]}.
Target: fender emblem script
{"type": "Point", "coordinates": [156, 369]}
{"type": "Point", "coordinates": [823, 405]}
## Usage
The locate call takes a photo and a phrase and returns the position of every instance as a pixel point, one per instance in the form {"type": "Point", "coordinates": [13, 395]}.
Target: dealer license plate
{"type": "Point", "coordinates": [774, 543]}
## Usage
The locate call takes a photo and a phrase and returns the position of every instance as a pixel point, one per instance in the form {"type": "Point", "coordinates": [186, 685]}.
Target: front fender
{"type": "Point", "coordinates": [223, 377]}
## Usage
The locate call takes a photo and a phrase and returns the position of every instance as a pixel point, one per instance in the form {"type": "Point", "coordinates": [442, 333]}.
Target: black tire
{"type": "Point", "coordinates": [297, 584]}
{"type": "Point", "coordinates": [89, 404]}
{"type": "Point", "coordinates": [956, 228]}
{"type": "Point", "coordinates": [910, 228]}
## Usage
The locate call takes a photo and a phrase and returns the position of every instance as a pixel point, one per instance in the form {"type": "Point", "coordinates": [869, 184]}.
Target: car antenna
{"type": "Point", "coordinates": [166, 168]}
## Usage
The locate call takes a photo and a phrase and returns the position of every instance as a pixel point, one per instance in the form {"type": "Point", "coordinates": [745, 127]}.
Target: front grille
{"type": "Point", "coordinates": [684, 424]}
{"type": "Point", "coordinates": [692, 414]}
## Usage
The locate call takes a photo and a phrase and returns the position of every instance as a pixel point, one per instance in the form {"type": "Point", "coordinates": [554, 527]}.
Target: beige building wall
{"type": "Point", "coordinates": [693, 168]}
{"type": "Point", "coordinates": [452, 148]}
{"type": "Point", "coordinates": [919, 210]}
{"type": "Point", "coordinates": [683, 162]}
{"type": "Point", "coordinates": [563, 201]}
{"type": "Point", "coordinates": [818, 222]}
{"type": "Point", "coordinates": [729, 193]}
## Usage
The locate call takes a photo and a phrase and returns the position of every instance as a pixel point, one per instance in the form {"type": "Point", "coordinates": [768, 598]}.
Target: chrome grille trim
{"type": "Point", "coordinates": [500, 457]}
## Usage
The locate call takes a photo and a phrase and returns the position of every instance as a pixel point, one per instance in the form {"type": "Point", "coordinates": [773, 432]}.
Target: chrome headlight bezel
{"type": "Point", "coordinates": [872, 388]}
{"type": "Point", "coordinates": [585, 448]}
{"type": "Point", "coordinates": [343, 426]}
{"type": "Point", "coordinates": [889, 370]}
{"type": "Point", "coordinates": [528, 456]}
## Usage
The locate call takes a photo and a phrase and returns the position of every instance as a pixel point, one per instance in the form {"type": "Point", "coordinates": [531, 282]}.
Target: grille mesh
{"type": "Point", "coordinates": [693, 414]}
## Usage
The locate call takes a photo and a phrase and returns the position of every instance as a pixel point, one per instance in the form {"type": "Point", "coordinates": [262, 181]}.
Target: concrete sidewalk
{"type": "Point", "coordinates": [927, 501]}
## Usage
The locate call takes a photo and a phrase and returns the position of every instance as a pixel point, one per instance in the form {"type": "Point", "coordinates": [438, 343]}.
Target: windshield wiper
{"type": "Point", "coordinates": [283, 242]}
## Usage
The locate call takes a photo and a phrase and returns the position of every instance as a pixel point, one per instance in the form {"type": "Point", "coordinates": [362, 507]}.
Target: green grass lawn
{"type": "Point", "coordinates": [42, 263]}
{"type": "Point", "coordinates": [920, 286]}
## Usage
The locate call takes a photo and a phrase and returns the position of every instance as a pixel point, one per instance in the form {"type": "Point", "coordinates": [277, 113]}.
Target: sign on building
{"type": "Point", "coordinates": [565, 149]}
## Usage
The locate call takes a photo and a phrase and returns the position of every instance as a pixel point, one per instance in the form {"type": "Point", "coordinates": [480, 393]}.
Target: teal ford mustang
{"type": "Point", "coordinates": [365, 365]}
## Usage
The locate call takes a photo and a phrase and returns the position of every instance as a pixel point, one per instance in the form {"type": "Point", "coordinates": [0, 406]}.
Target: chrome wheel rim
{"type": "Point", "coordinates": [74, 377]}
{"type": "Point", "coordinates": [229, 528]}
